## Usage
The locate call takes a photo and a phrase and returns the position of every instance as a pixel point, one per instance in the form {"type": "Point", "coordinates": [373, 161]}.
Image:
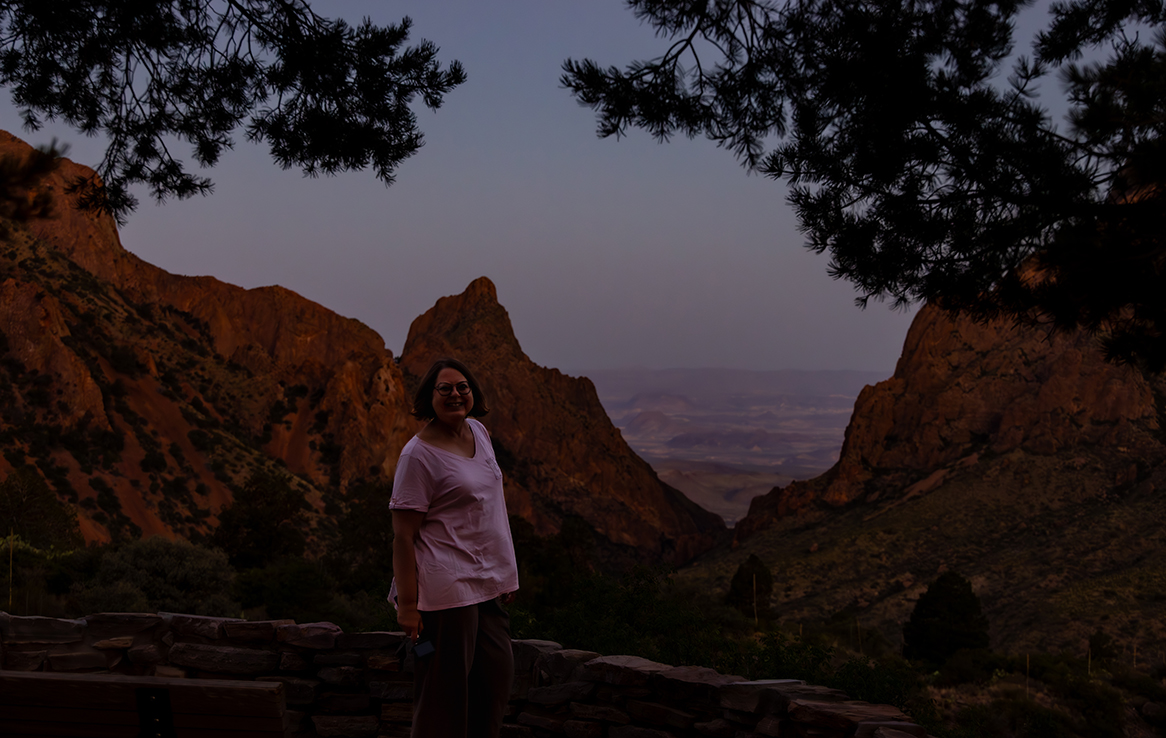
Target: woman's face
{"type": "Point", "coordinates": [453, 408]}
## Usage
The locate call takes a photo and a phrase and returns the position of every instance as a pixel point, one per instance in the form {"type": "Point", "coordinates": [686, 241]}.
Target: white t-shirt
{"type": "Point", "coordinates": [465, 554]}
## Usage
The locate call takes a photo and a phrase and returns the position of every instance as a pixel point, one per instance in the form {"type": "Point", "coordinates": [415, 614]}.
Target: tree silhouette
{"type": "Point", "coordinates": [750, 588]}
{"type": "Point", "coordinates": [263, 525]}
{"type": "Point", "coordinates": [914, 165]}
{"type": "Point", "coordinates": [946, 618]}
{"type": "Point", "coordinates": [325, 96]}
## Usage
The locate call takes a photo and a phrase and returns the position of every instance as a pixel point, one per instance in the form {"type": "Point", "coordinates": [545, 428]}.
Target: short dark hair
{"type": "Point", "coordinates": [423, 400]}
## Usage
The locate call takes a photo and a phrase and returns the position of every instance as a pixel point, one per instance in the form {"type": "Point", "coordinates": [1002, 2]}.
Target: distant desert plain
{"type": "Point", "coordinates": [724, 436]}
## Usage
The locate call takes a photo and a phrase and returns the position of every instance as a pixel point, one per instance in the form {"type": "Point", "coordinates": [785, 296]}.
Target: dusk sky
{"type": "Point", "coordinates": [605, 253]}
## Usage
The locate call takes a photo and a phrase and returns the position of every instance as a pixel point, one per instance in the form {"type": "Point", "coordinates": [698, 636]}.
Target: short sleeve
{"type": "Point", "coordinates": [412, 485]}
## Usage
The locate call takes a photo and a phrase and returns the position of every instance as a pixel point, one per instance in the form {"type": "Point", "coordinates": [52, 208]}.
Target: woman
{"type": "Point", "coordinates": [453, 560]}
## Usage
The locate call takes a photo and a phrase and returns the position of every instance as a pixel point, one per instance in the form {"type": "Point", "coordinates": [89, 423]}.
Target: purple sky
{"type": "Point", "coordinates": [606, 254]}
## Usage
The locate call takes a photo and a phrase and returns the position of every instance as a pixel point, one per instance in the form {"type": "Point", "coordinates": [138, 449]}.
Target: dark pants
{"type": "Point", "coordinates": [462, 689]}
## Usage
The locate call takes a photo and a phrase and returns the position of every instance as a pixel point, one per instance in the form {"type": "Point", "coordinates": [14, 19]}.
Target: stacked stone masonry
{"type": "Point", "coordinates": [354, 685]}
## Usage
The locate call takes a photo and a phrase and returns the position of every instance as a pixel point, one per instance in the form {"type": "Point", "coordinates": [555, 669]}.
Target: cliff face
{"type": "Point", "coordinates": [963, 392]}
{"type": "Point", "coordinates": [561, 453]}
{"type": "Point", "coordinates": [145, 397]}
{"type": "Point", "coordinates": [175, 387]}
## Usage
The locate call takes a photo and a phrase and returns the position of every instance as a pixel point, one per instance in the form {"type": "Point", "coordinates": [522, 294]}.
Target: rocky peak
{"type": "Point", "coordinates": [145, 397]}
{"type": "Point", "coordinates": [963, 390]}
{"type": "Point", "coordinates": [561, 453]}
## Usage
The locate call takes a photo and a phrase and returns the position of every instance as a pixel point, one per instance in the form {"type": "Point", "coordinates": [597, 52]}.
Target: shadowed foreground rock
{"type": "Point", "coordinates": [355, 686]}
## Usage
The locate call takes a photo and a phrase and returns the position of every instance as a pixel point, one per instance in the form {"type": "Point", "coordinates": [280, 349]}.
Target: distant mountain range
{"type": "Point", "coordinates": [723, 436]}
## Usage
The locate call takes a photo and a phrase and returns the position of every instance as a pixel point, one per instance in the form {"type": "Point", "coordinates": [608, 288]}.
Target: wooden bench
{"type": "Point", "coordinates": [45, 705]}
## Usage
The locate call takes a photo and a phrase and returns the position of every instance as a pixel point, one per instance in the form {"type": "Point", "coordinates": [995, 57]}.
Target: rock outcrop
{"type": "Point", "coordinates": [146, 397]}
{"type": "Point", "coordinates": [562, 454]}
{"type": "Point", "coordinates": [193, 380]}
{"type": "Point", "coordinates": [964, 390]}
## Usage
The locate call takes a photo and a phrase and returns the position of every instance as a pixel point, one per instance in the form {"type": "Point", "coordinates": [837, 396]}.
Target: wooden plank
{"type": "Point", "coordinates": [45, 729]}
{"type": "Point", "coordinates": [208, 733]}
{"type": "Point", "coordinates": [54, 714]}
{"type": "Point", "coordinates": [115, 691]}
{"type": "Point", "coordinates": [224, 722]}
{"type": "Point", "coordinates": [65, 690]}
{"type": "Point", "coordinates": [253, 699]}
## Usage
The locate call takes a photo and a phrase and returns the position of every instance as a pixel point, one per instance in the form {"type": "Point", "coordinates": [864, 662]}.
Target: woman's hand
{"type": "Point", "coordinates": [406, 525]}
{"type": "Point", "coordinates": [507, 598]}
{"type": "Point", "coordinates": [410, 621]}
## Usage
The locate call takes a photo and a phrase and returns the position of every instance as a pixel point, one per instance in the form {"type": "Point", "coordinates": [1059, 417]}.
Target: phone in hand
{"type": "Point", "coordinates": [423, 648]}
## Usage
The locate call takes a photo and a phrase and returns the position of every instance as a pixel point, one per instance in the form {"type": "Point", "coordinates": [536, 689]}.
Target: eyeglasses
{"type": "Point", "coordinates": [445, 390]}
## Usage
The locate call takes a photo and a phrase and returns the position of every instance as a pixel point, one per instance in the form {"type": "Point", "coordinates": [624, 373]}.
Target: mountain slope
{"type": "Point", "coordinates": [1016, 457]}
{"type": "Point", "coordinates": [147, 398]}
{"type": "Point", "coordinates": [562, 454]}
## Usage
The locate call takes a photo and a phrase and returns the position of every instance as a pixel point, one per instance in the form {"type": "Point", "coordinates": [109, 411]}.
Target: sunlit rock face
{"type": "Point", "coordinates": [565, 457]}
{"type": "Point", "coordinates": [120, 345]}
{"type": "Point", "coordinates": [963, 390]}
{"type": "Point", "coordinates": [171, 390]}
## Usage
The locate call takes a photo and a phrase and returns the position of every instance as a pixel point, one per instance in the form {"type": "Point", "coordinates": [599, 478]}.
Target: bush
{"type": "Point", "coordinates": [946, 618]}
{"type": "Point", "coordinates": [160, 575]}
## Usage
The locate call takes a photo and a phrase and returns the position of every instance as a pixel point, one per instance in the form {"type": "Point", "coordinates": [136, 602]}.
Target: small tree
{"type": "Point", "coordinates": [264, 523]}
{"type": "Point", "coordinates": [946, 618]}
{"type": "Point", "coordinates": [32, 511]}
{"type": "Point", "coordinates": [751, 588]}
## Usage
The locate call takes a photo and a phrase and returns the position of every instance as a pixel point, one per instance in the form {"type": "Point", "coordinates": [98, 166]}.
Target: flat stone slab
{"type": "Point", "coordinates": [80, 658]}
{"type": "Point", "coordinates": [104, 625]}
{"type": "Point", "coordinates": [115, 642]}
{"type": "Point", "coordinates": [846, 715]}
{"type": "Point", "coordinates": [299, 691]}
{"type": "Point", "coordinates": [341, 676]}
{"type": "Point", "coordinates": [623, 671]}
{"type": "Point", "coordinates": [657, 714]}
{"type": "Point", "coordinates": [318, 636]}
{"type": "Point", "coordinates": [24, 660]}
{"type": "Point", "coordinates": [147, 654]}
{"type": "Point", "coordinates": [254, 631]}
{"type": "Point", "coordinates": [542, 722]}
{"type": "Point", "coordinates": [565, 665]}
{"type": "Point", "coordinates": [391, 691]}
{"type": "Point", "coordinates": [605, 713]}
{"type": "Point", "coordinates": [560, 694]}
{"type": "Point", "coordinates": [338, 659]}
{"type": "Point", "coordinates": [37, 629]}
{"type": "Point", "coordinates": [890, 730]}
{"type": "Point", "coordinates": [375, 639]}
{"type": "Point", "coordinates": [397, 712]}
{"type": "Point", "coordinates": [583, 729]}
{"type": "Point", "coordinates": [693, 682]}
{"type": "Point", "coordinates": [346, 726]}
{"type": "Point", "coordinates": [199, 626]}
{"type": "Point", "coordinates": [223, 659]}
{"type": "Point", "coordinates": [756, 696]}
{"type": "Point", "coordinates": [635, 731]}
{"type": "Point", "coordinates": [527, 651]}
{"type": "Point", "coordinates": [718, 728]}
{"type": "Point", "coordinates": [383, 661]}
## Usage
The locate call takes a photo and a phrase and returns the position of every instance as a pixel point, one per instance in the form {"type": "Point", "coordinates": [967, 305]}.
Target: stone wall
{"type": "Point", "coordinates": [354, 685]}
